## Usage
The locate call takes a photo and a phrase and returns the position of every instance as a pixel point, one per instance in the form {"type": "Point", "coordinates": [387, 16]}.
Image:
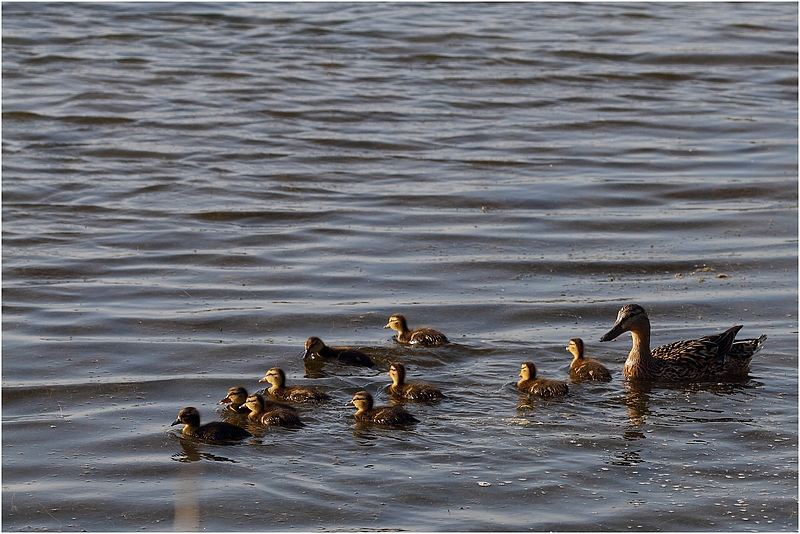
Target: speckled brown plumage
{"type": "Point", "coordinates": [279, 390]}
{"type": "Point", "coordinates": [413, 390]}
{"type": "Point", "coordinates": [582, 368]}
{"type": "Point", "coordinates": [381, 415]}
{"type": "Point", "coordinates": [271, 413]}
{"type": "Point", "coordinates": [543, 387]}
{"type": "Point", "coordinates": [705, 358]}
{"type": "Point", "coordinates": [424, 336]}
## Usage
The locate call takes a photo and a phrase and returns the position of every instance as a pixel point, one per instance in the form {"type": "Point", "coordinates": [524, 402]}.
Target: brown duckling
{"type": "Point", "coordinates": [315, 346]}
{"type": "Point", "coordinates": [424, 336]}
{"type": "Point", "coordinates": [278, 389]}
{"type": "Point", "coordinates": [544, 387]}
{"type": "Point", "coordinates": [271, 413]}
{"type": "Point", "coordinates": [585, 368]}
{"type": "Point", "coordinates": [382, 415]}
{"type": "Point", "coordinates": [235, 400]}
{"type": "Point", "coordinates": [412, 390]}
{"type": "Point", "coordinates": [215, 430]}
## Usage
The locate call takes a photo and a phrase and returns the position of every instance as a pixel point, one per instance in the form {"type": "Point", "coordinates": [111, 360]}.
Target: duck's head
{"type": "Point", "coordinates": [236, 396]}
{"type": "Point", "coordinates": [188, 416]}
{"type": "Point", "coordinates": [631, 318]}
{"type": "Point", "coordinates": [527, 371]}
{"type": "Point", "coordinates": [576, 347]}
{"type": "Point", "coordinates": [397, 372]}
{"type": "Point", "coordinates": [362, 401]}
{"type": "Point", "coordinates": [313, 346]}
{"type": "Point", "coordinates": [255, 402]}
{"type": "Point", "coordinates": [275, 377]}
{"type": "Point", "coordinates": [397, 322]}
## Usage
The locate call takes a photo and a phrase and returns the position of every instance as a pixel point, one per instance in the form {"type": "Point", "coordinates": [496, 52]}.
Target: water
{"type": "Point", "coordinates": [190, 191]}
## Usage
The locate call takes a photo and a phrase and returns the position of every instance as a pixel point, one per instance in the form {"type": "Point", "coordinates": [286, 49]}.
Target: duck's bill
{"type": "Point", "coordinates": [176, 422]}
{"type": "Point", "coordinates": [265, 378]}
{"type": "Point", "coordinates": [226, 400]}
{"type": "Point", "coordinates": [306, 354]}
{"type": "Point", "coordinates": [612, 334]}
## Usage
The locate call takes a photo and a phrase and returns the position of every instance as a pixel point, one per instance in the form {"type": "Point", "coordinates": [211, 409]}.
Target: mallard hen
{"type": "Point", "coordinates": [705, 358]}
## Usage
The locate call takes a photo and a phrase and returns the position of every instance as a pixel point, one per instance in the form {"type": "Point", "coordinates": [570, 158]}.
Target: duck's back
{"type": "Point", "coordinates": [588, 369]}
{"type": "Point", "coordinates": [352, 356]}
{"type": "Point", "coordinates": [220, 430]}
{"type": "Point", "coordinates": [387, 415]}
{"type": "Point", "coordinates": [543, 387]}
{"type": "Point", "coordinates": [425, 336]}
{"type": "Point", "coordinates": [416, 391]}
{"type": "Point", "coordinates": [300, 394]}
{"type": "Point", "coordinates": [277, 417]}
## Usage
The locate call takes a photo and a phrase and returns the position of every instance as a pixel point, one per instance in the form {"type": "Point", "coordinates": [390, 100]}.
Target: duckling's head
{"type": "Point", "coordinates": [255, 402]}
{"type": "Point", "coordinates": [236, 396]}
{"type": "Point", "coordinates": [631, 318]}
{"type": "Point", "coordinates": [189, 416]}
{"type": "Point", "coordinates": [576, 347]}
{"type": "Point", "coordinates": [275, 376]}
{"type": "Point", "coordinates": [397, 322]}
{"type": "Point", "coordinates": [527, 371]}
{"type": "Point", "coordinates": [397, 372]}
{"type": "Point", "coordinates": [362, 401]}
{"type": "Point", "coordinates": [313, 346]}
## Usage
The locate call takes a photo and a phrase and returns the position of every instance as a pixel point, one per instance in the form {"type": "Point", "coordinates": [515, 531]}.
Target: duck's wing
{"type": "Point", "coordinates": [427, 337]}
{"type": "Point", "coordinates": [698, 353]}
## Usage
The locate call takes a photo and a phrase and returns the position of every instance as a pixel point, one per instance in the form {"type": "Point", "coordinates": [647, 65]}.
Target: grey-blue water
{"type": "Point", "coordinates": [190, 191]}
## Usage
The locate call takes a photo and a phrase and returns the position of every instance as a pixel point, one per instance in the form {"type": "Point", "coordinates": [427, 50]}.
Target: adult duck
{"type": "Point", "coordinates": [705, 358]}
{"type": "Point", "coordinates": [315, 347]}
{"type": "Point", "coordinates": [583, 368]}
{"type": "Point", "coordinates": [424, 335]}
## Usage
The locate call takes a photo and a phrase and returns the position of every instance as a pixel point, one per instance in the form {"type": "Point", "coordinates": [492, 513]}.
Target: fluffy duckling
{"type": "Point", "coordinates": [424, 336]}
{"type": "Point", "coordinates": [315, 347]}
{"type": "Point", "coordinates": [382, 415]}
{"type": "Point", "coordinates": [698, 359]}
{"type": "Point", "coordinates": [278, 389]}
{"type": "Point", "coordinates": [544, 387]}
{"type": "Point", "coordinates": [215, 430]}
{"type": "Point", "coordinates": [235, 400]}
{"type": "Point", "coordinates": [585, 368]}
{"type": "Point", "coordinates": [271, 413]}
{"type": "Point", "coordinates": [413, 390]}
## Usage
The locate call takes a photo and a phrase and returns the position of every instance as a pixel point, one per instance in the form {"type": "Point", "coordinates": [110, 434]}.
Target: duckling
{"type": "Point", "coordinates": [382, 415]}
{"type": "Point", "coordinates": [271, 413]}
{"type": "Point", "coordinates": [413, 390]}
{"type": "Point", "coordinates": [215, 430]}
{"type": "Point", "coordinates": [421, 336]}
{"type": "Point", "coordinates": [585, 368]}
{"type": "Point", "coordinates": [235, 400]}
{"type": "Point", "coordinates": [315, 346]}
{"type": "Point", "coordinates": [278, 389]}
{"type": "Point", "coordinates": [544, 387]}
{"type": "Point", "coordinates": [698, 359]}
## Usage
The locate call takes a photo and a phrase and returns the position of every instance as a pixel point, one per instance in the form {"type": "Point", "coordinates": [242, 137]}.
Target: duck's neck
{"type": "Point", "coordinates": [640, 358]}
{"type": "Point", "coordinates": [274, 387]}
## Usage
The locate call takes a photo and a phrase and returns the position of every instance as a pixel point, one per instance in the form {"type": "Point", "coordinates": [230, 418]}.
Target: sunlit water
{"type": "Point", "coordinates": [191, 191]}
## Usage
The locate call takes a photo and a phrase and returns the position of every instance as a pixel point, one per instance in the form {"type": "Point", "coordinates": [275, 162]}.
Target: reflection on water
{"type": "Point", "coordinates": [637, 398]}
{"type": "Point", "coordinates": [187, 501]}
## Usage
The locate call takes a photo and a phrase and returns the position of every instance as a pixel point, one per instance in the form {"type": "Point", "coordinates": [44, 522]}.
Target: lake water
{"type": "Point", "coordinates": [190, 191]}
